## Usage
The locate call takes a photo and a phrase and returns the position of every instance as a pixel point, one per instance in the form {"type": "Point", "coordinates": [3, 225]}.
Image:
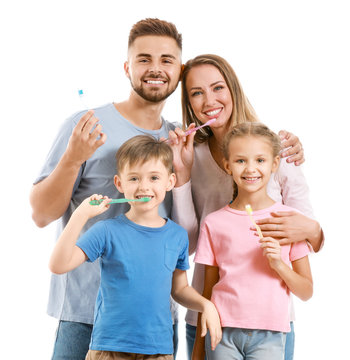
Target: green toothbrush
{"type": "Point", "coordinates": [117, 201]}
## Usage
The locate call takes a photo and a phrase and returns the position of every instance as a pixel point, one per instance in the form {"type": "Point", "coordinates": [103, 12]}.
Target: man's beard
{"type": "Point", "coordinates": [154, 95]}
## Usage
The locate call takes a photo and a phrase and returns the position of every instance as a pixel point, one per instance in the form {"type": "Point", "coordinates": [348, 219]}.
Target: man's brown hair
{"type": "Point", "coordinates": [154, 26]}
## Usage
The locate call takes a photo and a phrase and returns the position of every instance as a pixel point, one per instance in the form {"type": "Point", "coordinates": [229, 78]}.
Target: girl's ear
{"type": "Point", "coordinates": [275, 164]}
{"type": "Point", "coordinates": [118, 183]}
{"type": "Point", "coordinates": [172, 182]}
{"type": "Point", "coordinates": [227, 167]}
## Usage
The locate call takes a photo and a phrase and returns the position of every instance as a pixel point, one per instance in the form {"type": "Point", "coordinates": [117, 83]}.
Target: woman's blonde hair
{"type": "Point", "coordinates": [142, 148]}
{"type": "Point", "coordinates": [256, 129]}
{"type": "Point", "coordinates": [242, 109]}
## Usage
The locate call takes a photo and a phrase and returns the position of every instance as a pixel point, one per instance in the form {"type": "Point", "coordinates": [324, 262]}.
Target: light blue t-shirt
{"type": "Point", "coordinates": [72, 295]}
{"type": "Point", "coordinates": [132, 312]}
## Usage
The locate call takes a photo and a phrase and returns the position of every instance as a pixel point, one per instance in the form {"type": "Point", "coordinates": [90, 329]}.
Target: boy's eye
{"type": "Point", "coordinates": [134, 178]}
{"type": "Point", "coordinates": [240, 161]}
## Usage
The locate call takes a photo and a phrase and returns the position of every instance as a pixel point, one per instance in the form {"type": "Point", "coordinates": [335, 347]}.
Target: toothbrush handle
{"type": "Point", "coordinates": [113, 201]}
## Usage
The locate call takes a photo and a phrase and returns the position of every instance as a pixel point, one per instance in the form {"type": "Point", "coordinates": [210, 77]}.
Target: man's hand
{"type": "Point", "coordinates": [86, 138]}
{"type": "Point", "coordinates": [292, 147]}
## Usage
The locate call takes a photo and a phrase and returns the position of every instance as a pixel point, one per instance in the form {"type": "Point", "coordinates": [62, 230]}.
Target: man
{"type": "Point", "coordinates": [82, 162]}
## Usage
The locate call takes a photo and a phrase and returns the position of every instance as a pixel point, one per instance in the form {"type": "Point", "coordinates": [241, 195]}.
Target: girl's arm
{"type": "Point", "coordinates": [188, 297]}
{"type": "Point", "coordinates": [298, 279]}
{"type": "Point", "coordinates": [211, 278]}
{"type": "Point", "coordinates": [66, 256]}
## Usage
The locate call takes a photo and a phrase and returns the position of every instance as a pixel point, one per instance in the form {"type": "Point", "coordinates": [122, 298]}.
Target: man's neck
{"type": "Point", "coordinates": [141, 113]}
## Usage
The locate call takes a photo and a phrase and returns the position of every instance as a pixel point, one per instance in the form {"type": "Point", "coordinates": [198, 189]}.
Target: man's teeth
{"type": "Point", "coordinates": [214, 112]}
{"type": "Point", "coordinates": [157, 82]}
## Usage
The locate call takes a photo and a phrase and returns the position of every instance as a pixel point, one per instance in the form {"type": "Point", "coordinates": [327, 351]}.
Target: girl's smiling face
{"type": "Point", "coordinates": [209, 95]}
{"type": "Point", "coordinates": [251, 162]}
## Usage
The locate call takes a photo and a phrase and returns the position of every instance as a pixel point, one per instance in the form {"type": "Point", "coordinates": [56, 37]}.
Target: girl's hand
{"type": "Point", "coordinates": [211, 320]}
{"type": "Point", "coordinates": [294, 152]}
{"type": "Point", "coordinates": [182, 147]}
{"type": "Point", "coordinates": [272, 250]}
{"type": "Point", "coordinates": [90, 211]}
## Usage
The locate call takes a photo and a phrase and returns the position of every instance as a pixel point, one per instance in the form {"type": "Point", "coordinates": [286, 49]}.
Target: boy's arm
{"type": "Point", "coordinates": [211, 278]}
{"type": "Point", "coordinates": [188, 297]}
{"type": "Point", "coordinates": [298, 279]}
{"type": "Point", "coordinates": [50, 197]}
{"type": "Point", "coordinates": [66, 256]}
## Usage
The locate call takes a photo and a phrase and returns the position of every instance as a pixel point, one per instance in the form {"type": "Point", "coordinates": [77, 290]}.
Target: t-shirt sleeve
{"type": "Point", "coordinates": [182, 261]}
{"type": "Point", "coordinates": [205, 251]}
{"type": "Point", "coordinates": [58, 148]}
{"type": "Point", "coordinates": [93, 241]}
{"type": "Point", "coordinates": [298, 250]}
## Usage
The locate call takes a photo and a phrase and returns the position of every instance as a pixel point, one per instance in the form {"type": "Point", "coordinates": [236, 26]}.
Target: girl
{"type": "Point", "coordinates": [211, 88]}
{"type": "Point", "coordinates": [249, 279]}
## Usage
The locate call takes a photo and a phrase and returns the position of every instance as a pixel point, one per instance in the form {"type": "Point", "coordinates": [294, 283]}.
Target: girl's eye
{"type": "Point", "coordinates": [154, 178]}
{"type": "Point", "coordinates": [261, 160]}
{"type": "Point", "coordinates": [240, 161]}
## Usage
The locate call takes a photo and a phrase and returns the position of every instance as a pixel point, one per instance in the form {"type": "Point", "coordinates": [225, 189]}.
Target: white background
{"type": "Point", "coordinates": [293, 61]}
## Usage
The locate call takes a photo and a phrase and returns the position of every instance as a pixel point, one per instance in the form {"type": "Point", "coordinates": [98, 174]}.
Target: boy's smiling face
{"type": "Point", "coordinates": [150, 179]}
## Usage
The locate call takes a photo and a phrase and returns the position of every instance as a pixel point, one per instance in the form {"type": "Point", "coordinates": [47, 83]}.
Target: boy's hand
{"type": "Point", "coordinates": [211, 320]}
{"type": "Point", "coordinates": [272, 250]}
{"type": "Point", "coordinates": [90, 211]}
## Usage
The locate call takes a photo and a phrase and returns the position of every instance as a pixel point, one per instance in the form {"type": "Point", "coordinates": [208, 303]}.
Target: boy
{"type": "Point", "coordinates": [143, 258]}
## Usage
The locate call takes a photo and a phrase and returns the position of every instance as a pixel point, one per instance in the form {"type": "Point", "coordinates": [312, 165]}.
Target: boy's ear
{"type": "Point", "coordinates": [118, 183]}
{"type": "Point", "coordinates": [275, 164]}
{"type": "Point", "coordinates": [172, 182]}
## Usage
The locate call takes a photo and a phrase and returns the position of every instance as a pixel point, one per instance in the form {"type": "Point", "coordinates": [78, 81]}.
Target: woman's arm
{"type": "Point", "coordinates": [298, 279]}
{"type": "Point", "coordinates": [211, 278]}
{"type": "Point", "coordinates": [289, 227]}
{"type": "Point", "coordinates": [183, 210]}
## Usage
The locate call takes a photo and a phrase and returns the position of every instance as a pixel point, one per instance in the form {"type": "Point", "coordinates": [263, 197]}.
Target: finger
{"type": "Point", "coordinates": [89, 125]}
{"type": "Point", "coordinates": [274, 234]}
{"type": "Point", "coordinates": [81, 123]}
{"type": "Point", "coordinates": [283, 214]}
{"type": "Point", "coordinates": [101, 140]}
{"type": "Point", "coordinates": [285, 241]}
{"type": "Point", "coordinates": [96, 132]}
{"type": "Point", "coordinates": [297, 158]}
{"type": "Point", "coordinates": [173, 137]}
{"type": "Point", "coordinates": [180, 133]}
{"type": "Point", "coordinates": [291, 140]}
{"type": "Point", "coordinates": [269, 220]}
{"type": "Point", "coordinates": [293, 150]}
{"type": "Point", "coordinates": [204, 329]}
{"type": "Point", "coordinates": [283, 134]}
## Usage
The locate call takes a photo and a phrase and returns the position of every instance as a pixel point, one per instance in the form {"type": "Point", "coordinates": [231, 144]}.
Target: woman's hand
{"type": "Point", "coordinates": [292, 147]}
{"type": "Point", "coordinates": [182, 147]}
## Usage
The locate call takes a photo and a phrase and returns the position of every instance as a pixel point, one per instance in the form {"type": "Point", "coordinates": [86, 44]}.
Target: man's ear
{"type": "Point", "coordinates": [118, 183]}
{"type": "Point", "coordinates": [172, 182]}
{"type": "Point", "coordinates": [126, 69]}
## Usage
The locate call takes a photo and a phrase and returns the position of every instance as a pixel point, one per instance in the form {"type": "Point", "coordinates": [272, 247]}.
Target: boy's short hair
{"type": "Point", "coordinates": [142, 148]}
{"type": "Point", "coordinates": [156, 27]}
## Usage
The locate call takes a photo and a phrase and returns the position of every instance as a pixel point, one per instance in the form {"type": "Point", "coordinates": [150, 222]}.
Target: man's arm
{"type": "Point", "coordinates": [50, 197]}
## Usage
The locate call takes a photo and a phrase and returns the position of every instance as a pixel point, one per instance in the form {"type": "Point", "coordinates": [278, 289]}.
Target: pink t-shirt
{"type": "Point", "coordinates": [249, 293]}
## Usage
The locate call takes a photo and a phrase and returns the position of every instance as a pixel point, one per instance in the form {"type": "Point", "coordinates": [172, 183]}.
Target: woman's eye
{"type": "Point", "coordinates": [219, 87]}
{"type": "Point", "coordinates": [196, 93]}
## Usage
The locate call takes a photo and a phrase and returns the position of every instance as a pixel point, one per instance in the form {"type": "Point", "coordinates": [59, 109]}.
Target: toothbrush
{"type": "Point", "coordinates": [81, 96]}
{"type": "Point", "coordinates": [188, 132]}
{"type": "Point", "coordinates": [209, 122]}
{"type": "Point", "coordinates": [117, 201]}
{"type": "Point", "coordinates": [249, 210]}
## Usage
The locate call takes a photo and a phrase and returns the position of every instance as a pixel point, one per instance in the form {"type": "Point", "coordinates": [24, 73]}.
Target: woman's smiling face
{"type": "Point", "coordinates": [209, 95]}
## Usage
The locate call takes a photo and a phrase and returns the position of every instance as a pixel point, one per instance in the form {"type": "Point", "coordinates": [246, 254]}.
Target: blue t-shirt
{"type": "Point", "coordinates": [132, 312]}
{"type": "Point", "coordinates": [73, 295]}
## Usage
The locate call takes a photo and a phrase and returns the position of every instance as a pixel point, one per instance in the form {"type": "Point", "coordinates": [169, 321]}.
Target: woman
{"type": "Point", "coordinates": [210, 88]}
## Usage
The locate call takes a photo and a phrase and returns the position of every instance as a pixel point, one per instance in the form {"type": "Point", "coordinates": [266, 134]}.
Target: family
{"type": "Point", "coordinates": [119, 270]}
